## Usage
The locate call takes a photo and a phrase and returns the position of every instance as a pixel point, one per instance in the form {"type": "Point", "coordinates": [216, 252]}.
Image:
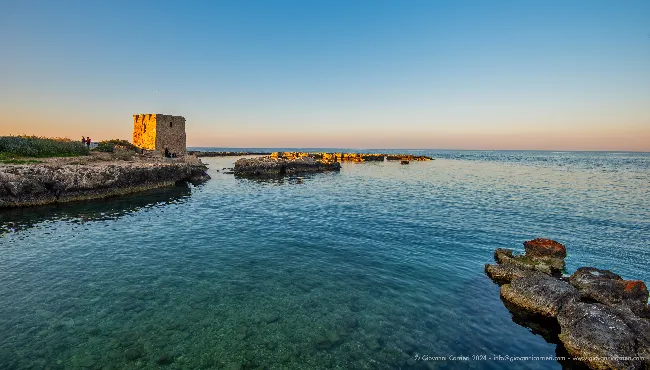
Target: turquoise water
{"type": "Point", "coordinates": [363, 269]}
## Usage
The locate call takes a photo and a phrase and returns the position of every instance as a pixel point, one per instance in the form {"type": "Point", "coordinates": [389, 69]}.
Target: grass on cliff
{"type": "Point", "coordinates": [19, 149]}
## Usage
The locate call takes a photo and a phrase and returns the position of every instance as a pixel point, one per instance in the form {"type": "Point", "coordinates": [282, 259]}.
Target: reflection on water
{"type": "Point", "coordinates": [17, 219]}
{"type": "Point", "coordinates": [362, 269]}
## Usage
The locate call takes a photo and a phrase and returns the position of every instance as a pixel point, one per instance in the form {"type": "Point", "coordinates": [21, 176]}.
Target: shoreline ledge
{"type": "Point", "coordinates": [59, 180]}
{"type": "Point", "coordinates": [279, 164]}
{"type": "Point", "coordinates": [268, 167]}
{"type": "Point", "coordinates": [595, 314]}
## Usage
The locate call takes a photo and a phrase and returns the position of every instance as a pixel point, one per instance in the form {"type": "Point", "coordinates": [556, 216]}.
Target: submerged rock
{"type": "Point", "coordinates": [132, 354]}
{"type": "Point", "coordinates": [539, 293]}
{"type": "Point", "coordinates": [165, 360]}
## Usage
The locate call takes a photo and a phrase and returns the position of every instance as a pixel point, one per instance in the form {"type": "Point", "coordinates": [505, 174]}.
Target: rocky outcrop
{"type": "Point", "coordinates": [505, 273]}
{"type": "Point", "coordinates": [536, 261]}
{"type": "Point", "coordinates": [609, 288]}
{"type": "Point", "coordinates": [601, 319]}
{"type": "Point", "coordinates": [37, 184]}
{"type": "Point", "coordinates": [350, 157]}
{"type": "Point", "coordinates": [277, 167]}
{"type": "Point", "coordinates": [539, 293]}
{"type": "Point", "coordinates": [291, 163]}
{"type": "Point", "coordinates": [596, 334]}
{"type": "Point", "coordinates": [199, 153]}
{"type": "Point", "coordinates": [544, 248]}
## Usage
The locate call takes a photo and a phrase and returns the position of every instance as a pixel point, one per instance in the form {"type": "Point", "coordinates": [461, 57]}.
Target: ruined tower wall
{"type": "Point", "coordinates": [144, 131]}
{"type": "Point", "coordinates": [160, 131]}
{"type": "Point", "coordinates": [170, 134]}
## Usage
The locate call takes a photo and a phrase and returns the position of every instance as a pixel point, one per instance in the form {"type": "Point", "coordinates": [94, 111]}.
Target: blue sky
{"type": "Point", "coordinates": [392, 74]}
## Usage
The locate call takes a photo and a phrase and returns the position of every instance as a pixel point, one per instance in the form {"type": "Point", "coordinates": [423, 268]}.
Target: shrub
{"type": "Point", "coordinates": [122, 153]}
{"type": "Point", "coordinates": [110, 145]}
{"type": "Point", "coordinates": [40, 147]}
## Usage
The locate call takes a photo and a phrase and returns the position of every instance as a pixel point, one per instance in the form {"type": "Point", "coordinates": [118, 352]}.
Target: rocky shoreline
{"type": "Point", "coordinates": [595, 314]}
{"type": "Point", "coordinates": [59, 180]}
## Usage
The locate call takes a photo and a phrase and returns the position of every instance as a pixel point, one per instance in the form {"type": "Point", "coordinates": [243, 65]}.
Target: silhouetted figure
{"type": "Point", "coordinates": [88, 141]}
{"type": "Point", "coordinates": [83, 140]}
{"type": "Point", "coordinates": [167, 155]}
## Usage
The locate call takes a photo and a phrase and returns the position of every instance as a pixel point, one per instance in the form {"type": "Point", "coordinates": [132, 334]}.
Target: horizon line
{"type": "Point", "coordinates": [421, 149]}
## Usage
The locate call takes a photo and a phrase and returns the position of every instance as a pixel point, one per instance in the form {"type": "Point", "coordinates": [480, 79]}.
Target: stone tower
{"type": "Point", "coordinates": [159, 132]}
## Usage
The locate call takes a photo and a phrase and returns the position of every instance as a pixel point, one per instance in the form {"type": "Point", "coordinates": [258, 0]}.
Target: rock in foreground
{"type": "Point", "coordinates": [539, 293]}
{"type": "Point", "coordinates": [602, 320]}
{"type": "Point", "coordinates": [608, 288]}
{"type": "Point", "coordinates": [595, 333]}
{"type": "Point", "coordinates": [277, 167]}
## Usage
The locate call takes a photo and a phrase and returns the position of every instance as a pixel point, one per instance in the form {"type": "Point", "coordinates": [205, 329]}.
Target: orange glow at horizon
{"type": "Point", "coordinates": [621, 138]}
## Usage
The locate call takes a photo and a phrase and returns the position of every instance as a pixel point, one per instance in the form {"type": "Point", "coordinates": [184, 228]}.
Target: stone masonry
{"type": "Point", "coordinates": [158, 132]}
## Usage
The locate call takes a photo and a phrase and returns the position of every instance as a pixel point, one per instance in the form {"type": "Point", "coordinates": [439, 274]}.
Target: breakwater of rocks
{"type": "Point", "coordinates": [279, 164]}
{"type": "Point", "coordinates": [278, 167]}
{"type": "Point", "coordinates": [595, 314]}
{"type": "Point", "coordinates": [72, 179]}
{"type": "Point", "coordinates": [199, 153]}
{"type": "Point", "coordinates": [350, 157]}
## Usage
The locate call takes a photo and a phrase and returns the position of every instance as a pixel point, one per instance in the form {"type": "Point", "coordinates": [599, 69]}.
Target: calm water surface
{"type": "Point", "coordinates": [361, 269]}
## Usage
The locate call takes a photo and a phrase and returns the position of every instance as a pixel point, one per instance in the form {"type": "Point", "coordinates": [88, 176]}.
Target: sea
{"type": "Point", "coordinates": [378, 266]}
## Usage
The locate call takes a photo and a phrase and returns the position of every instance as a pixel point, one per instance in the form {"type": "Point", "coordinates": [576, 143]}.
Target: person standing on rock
{"type": "Point", "coordinates": [83, 140]}
{"type": "Point", "coordinates": [88, 142]}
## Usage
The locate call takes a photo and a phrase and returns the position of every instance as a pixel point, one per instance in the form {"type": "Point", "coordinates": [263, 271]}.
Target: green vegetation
{"type": "Point", "coordinates": [110, 145]}
{"type": "Point", "coordinates": [17, 148]}
{"type": "Point", "coordinates": [13, 159]}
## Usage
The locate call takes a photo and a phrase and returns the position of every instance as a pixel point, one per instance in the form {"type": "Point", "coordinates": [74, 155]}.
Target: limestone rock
{"type": "Point", "coordinates": [641, 329]}
{"type": "Point", "coordinates": [275, 167]}
{"type": "Point", "coordinates": [25, 185]}
{"type": "Point", "coordinates": [544, 248]}
{"type": "Point", "coordinates": [597, 334]}
{"type": "Point", "coordinates": [601, 318]}
{"type": "Point", "coordinates": [546, 264]}
{"type": "Point", "coordinates": [539, 293]}
{"type": "Point", "coordinates": [505, 273]}
{"type": "Point", "coordinates": [608, 288]}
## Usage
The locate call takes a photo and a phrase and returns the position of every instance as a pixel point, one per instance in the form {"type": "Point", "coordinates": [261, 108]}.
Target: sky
{"type": "Point", "coordinates": [547, 75]}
